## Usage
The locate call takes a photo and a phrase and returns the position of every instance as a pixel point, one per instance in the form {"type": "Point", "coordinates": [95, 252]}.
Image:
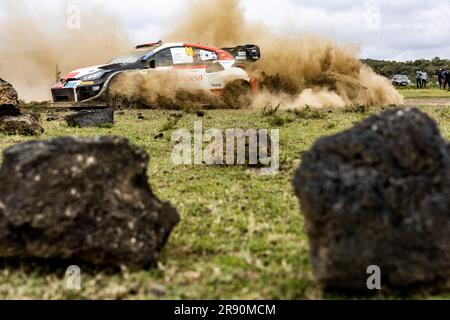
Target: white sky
{"type": "Point", "coordinates": [384, 29]}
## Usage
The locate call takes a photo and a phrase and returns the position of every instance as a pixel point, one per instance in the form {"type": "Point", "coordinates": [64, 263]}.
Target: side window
{"type": "Point", "coordinates": [206, 55]}
{"type": "Point", "coordinates": [164, 58]}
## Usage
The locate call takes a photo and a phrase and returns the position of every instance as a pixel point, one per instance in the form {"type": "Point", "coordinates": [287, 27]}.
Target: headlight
{"type": "Point", "coordinates": [92, 76]}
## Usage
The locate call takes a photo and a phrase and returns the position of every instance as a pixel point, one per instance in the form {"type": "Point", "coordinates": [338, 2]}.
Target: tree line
{"type": "Point", "coordinates": [409, 68]}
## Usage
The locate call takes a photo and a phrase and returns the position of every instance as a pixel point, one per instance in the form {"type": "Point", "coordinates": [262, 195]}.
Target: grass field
{"type": "Point", "coordinates": [241, 234]}
{"type": "Point", "coordinates": [412, 92]}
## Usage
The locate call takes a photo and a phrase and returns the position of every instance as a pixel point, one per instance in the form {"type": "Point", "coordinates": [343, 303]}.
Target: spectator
{"type": "Point", "coordinates": [424, 78]}
{"type": "Point", "coordinates": [440, 75]}
{"type": "Point", "coordinates": [419, 79]}
{"type": "Point", "coordinates": [446, 79]}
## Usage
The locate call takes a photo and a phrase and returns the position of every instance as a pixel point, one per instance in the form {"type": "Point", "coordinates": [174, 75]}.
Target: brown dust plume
{"type": "Point", "coordinates": [294, 71]}
{"type": "Point", "coordinates": [34, 39]}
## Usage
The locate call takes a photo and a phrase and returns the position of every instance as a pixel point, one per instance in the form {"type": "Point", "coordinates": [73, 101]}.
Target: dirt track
{"type": "Point", "coordinates": [427, 102]}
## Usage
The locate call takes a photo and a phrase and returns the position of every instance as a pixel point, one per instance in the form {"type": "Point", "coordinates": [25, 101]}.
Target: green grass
{"type": "Point", "coordinates": [241, 235]}
{"type": "Point", "coordinates": [414, 93]}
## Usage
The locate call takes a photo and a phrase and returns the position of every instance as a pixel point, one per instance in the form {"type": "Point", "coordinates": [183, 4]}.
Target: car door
{"type": "Point", "coordinates": [189, 67]}
{"type": "Point", "coordinates": [212, 69]}
{"type": "Point", "coordinates": [165, 63]}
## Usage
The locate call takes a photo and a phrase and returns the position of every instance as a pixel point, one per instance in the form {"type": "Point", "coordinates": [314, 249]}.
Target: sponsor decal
{"type": "Point", "coordinates": [190, 52]}
{"type": "Point", "coordinates": [71, 84]}
{"type": "Point", "coordinates": [87, 83]}
{"type": "Point", "coordinates": [180, 56]}
{"type": "Point", "coordinates": [194, 78]}
{"type": "Point", "coordinates": [207, 55]}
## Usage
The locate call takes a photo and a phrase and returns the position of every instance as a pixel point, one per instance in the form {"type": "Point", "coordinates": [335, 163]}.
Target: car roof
{"type": "Point", "coordinates": [223, 55]}
{"type": "Point", "coordinates": [169, 45]}
{"type": "Point", "coordinates": [183, 44]}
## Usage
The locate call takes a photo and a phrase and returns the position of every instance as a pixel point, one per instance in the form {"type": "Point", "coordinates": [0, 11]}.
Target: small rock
{"type": "Point", "coordinates": [158, 290]}
{"type": "Point", "coordinates": [260, 157]}
{"type": "Point", "coordinates": [159, 135]}
{"type": "Point", "coordinates": [176, 115]}
{"type": "Point", "coordinates": [91, 118]}
{"type": "Point", "coordinates": [25, 124]}
{"type": "Point", "coordinates": [201, 114]}
{"type": "Point", "coordinates": [52, 117]}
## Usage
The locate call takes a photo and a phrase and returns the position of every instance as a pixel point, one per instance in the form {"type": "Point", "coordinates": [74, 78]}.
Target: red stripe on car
{"type": "Point", "coordinates": [223, 55]}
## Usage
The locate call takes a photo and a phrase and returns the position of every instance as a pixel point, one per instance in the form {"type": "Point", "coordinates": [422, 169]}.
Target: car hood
{"type": "Point", "coordinates": [77, 74]}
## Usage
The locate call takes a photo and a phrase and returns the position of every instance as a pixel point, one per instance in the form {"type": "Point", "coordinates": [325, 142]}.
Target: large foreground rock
{"type": "Point", "coordinates": [24, 124]}
{"type": "Point", "coordinates": [8, 95]}
{"type": "Point", "coordinates": [82, 200]}
{"type": "Point", "coordinates": [91, 118]}
{"type": "Point", "coordinates": [379, 194]}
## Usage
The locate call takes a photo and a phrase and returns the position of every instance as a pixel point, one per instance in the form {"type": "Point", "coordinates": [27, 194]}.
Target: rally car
{"type": "Point", "coordinates": [201, 67]}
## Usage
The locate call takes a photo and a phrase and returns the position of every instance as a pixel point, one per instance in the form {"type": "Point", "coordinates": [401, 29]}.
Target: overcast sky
{"type": "Point", "coordinates": [386, 29]}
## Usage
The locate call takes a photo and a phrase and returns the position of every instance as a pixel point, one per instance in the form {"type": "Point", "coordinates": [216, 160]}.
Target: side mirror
{"type": "Point", "coordinates": [152, 64]}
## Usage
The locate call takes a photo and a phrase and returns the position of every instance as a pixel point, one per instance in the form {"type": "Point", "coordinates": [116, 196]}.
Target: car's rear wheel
{"type": "Point", "coordinates": [238, 94]}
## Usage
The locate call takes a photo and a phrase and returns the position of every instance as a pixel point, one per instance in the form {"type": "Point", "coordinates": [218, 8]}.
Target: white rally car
{"type": "Point", "coordinates": [201, 67]}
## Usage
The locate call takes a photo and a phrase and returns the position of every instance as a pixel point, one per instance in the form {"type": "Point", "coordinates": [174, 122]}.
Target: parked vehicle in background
{"type": "Point", "coordinates": [401, 80]}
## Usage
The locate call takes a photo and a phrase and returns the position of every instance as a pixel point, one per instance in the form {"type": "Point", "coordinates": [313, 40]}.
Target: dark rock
{"type": "Point", "coordinates": [159, 135]}
{"type": "Point", "coordinates": [8, 95]}
{"type": "Point", "coordinates": [84, 200]}
{"type": "Point", "coordinates": [25, 124]}
{"type": "Point", "coordinates": [52, 117]}
{"type": "Point", "coordinates": [91, 118]}
{"type": "Point", "coordinates": [9, 110]}
{"type": "Point", "coordinates": [141, 117]}
{"type": "Point", "coordinates": [158, 290]}
{"type": "Point", "coordinates": [201, 114]}
{"type": "Point", "coordinates": [379, 194]}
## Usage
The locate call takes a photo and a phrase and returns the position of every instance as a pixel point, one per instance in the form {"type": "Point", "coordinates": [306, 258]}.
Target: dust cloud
{"type": "Point", "coordinates": [164, 90]}
{"type": "Point", "coordinates": [35, 38]}
{"type": "Point", "coordinates": [294, 71]}
{"type": "Point", "coordinates": [150, 88]}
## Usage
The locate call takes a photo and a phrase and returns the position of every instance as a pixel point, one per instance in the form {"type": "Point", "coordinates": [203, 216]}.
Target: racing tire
{"type": "Point", "coordinates": [238, 95]}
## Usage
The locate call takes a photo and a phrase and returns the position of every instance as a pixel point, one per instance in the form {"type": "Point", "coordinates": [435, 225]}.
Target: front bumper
{"type": "Point", "coordinates": [76, 93]}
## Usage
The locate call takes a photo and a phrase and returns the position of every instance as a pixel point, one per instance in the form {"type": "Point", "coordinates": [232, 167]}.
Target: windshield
{"type": "Point", "coordinates": [133, 56]}
{"type": "Point", "coordinates": [401, 77]}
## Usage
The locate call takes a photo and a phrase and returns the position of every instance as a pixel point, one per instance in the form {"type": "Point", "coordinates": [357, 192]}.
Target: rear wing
{"type": "Point", "coordinates": [245, 53]}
